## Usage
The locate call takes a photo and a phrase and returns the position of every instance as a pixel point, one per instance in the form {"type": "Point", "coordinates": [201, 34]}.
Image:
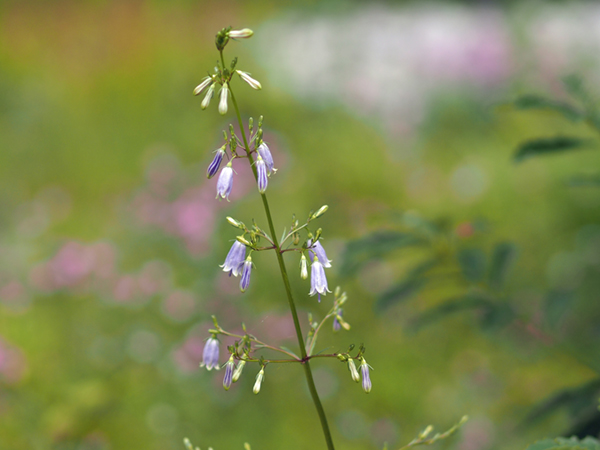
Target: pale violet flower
{"type": "Point", "coordinates": [213, 167]}
{"type": "Point", "coordinates": [261, 172]}
{"type": "Point", "coordinates": [366, 379]}
{"type": "Point", "coordinates": [227, 379]}
{"type": "Point", "coordinates": [246, 270]}
{"type": "Point", "coordinates": [254, 84]}
{"type": "Point", "coordinates": [318, 250]}
{"type": "Point", "coordinates": [318, 280]}
{"type": "Point", "coordinates": [223, 99]}
{"type": "Point", "coordinates": [265, 153]}
{"type": "Point", "coordinates": [235, 259]}
{"type": "Point", "coordinates": [205, 83]}
{"type": "Point", "coordinates": [210, 354]}
{"type": "Point", "coordinates": [225, 182]}
{"type": "Point", "coordinates": [259, 379]}
{"type": "Point", "coordinates": [208, 97]}
{"type": "Point", "coordinates": [244, 33]}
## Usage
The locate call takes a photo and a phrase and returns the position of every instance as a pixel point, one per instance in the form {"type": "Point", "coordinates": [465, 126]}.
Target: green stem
{"type": "Point", "coordinates": [286, 282]}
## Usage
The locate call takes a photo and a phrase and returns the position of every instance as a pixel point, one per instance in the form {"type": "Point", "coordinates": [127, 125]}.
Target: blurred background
{"type": "Point", "coordinates": [473, 278]}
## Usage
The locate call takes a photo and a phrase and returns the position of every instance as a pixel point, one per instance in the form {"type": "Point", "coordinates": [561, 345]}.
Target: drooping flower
{"type": "Point", "coordinates": [318, 250]}
{"type": "Point", "coordinates": [261, 171]}
{"type": "Point", "coordinates": [208, 96]}
{"type": "Point", "coordinates": [205, 83]}
{"type": "Point", "coordinates": [353, 372]}
{"type": "Point", "coordinates": [235, 259]}
{"type": "Point", "coordinates": [246, 270]}
{"type": "Point", "coordinates": [227, 379]}
{"type": "Point", "coordinates": [318, 280]}
{"type": "Point", "coordinates": [265, 153]}
{"type": "Point", "coordinates": [303, 267]}
{"type": "Point", "coordinates": [254, 84]}
{"type": "Point", "coordinates": [210, 354]}
{"type": "Point", "coordinates": [225, 182]}
{"type": "Point", "coordinates": [244, 33]}
{"type": "Point", "coordinates": [259, 379]}
{"type": "Point", "coordinates": [213, 167]}
{"type": "Point", "coordinates": [366, 379]}
{"type": "Point", "coordinates": [238, 371]}
{"type": "Point", "coordinates": [223, 99]}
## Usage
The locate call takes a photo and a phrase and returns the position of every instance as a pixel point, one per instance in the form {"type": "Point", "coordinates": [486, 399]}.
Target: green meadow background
{"type": "Point", "coordinates": [110, 236]}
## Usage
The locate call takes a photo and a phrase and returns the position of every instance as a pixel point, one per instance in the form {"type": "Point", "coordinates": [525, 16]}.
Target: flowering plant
{"type": "Point", "coordinates": [301, 239]}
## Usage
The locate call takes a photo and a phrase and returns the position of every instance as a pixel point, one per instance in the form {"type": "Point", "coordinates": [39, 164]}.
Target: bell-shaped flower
{"type": "Point", "coordinates": [318, 280]}
{"type": "Point", "coordinates": [223, 99]}
{"type": "Point", "coordinates": [210, 354]}
{"type": "Point", "coordinates": [213, 167]}
{"type": "Point", "coordinates": [265, 154]}
{"type": "Point", "coordinates": [366, 379]}
{"type": "Point", "coordinates": [208, 96]}
{"type": "Point", "coordinates": [228, 378]}
{"type": "Point", "coordinates": [246, 270]}
{"type": "Point", "coordinates": [235, 259]}
{"type": "Point", "coordinates": [254, 84]}
{"type": "Point", "coordinates": [225, 182]}
{"type": "Point", "coordinates": [261, 172]}
{"type": "Point", "coordinates": [318, 250]}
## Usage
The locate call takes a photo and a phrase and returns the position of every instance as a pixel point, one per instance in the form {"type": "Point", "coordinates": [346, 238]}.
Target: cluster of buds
{"type": "Point", "coordinates": [364, 368]}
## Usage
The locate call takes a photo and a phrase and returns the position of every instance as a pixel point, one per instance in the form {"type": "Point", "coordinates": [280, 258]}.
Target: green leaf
{"type": "Point", "coordinates": [544, 146]}
{"type": "Point", "coordinates": [562, 443]}
{"type": "Point", "coordinates": [408, 287]}
{"type": "Point", "coordinates": [451, 306]}
{"type": "Point", "coordinates": [375, 245]}
{"type": "Point", "coordinates": [496, 316]}
{"type": "Point", "coordinates": [568, 111]}
{"type": "Point", "coordinates": [472, 263]}
{"type": "Point", "coordinates": [503, 258]}
{"type": "Point", "coordinates": [556, 306]}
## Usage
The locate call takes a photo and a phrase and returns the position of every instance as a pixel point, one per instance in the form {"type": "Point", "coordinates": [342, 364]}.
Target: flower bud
{"type": "Point", "coordinates": [205, 83]}
{"type": "Point", "coordinates": [225, 182]}
{"type": "Point", "coordinates": [322, 210]}
{"type": "Point", "coordinates": [265, 153]}
{"type": "Point", "coordinates": [366, 382]}
{"type": "Point", "coordinates": [227, 379]}
{"type": "Point", "coordinates": [238, 371]}
{"type": "Point", "coordinates": [213, 167]}
{"type": "Point", "coordinates": [353, 372]}
{"type": "Point", "coordinates": [246, 270]}
{"type": "Point", "coordinates": [243, 240]}
{"type": "Point", "coordinates": [244, 33]}
{"type": "Point", "coordinates": [235, 223]}
{"type": "Point", "coordinates": [208, 96]}
{"type": "Point", "coordinates": [223, 99]}
{"type": "Point", "coordinates": [254, 84]}
{"type": "Point", "coordinates": [261, 172]}
{"type": "Point", "coordinates": [259, 380]}
{"type": "Point", "coordinates": [303, 267]}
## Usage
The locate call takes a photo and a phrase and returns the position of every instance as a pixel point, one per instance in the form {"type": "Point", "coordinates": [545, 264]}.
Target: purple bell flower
{"type": "Point", "coordinates": [246, 270]}
{"type": "Point", "coordinates": [261, 171]}
{"type": "Point", "coordinates": [228, 378]}
{"type": "Point", "coordinates": [213, 167]}
{"type": "Point", "coordinates": [318, 250]}
{"type": "Point", "coordinates": [366, 379]}
{"type": "Point", "coordinates": [318, 280]}
{"type": "Point", "coordinates": [210, 354]}
{"type": "Point", "coordinates": [225, 182]}
{"type": "Point", "coordinates": [235, 259]}
{"type": "Point", "coordinates": [265, 154]}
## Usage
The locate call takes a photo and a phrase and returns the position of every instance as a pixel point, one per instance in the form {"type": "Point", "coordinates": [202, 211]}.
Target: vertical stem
{"type": "Point", "coordinates": [286, 282]}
